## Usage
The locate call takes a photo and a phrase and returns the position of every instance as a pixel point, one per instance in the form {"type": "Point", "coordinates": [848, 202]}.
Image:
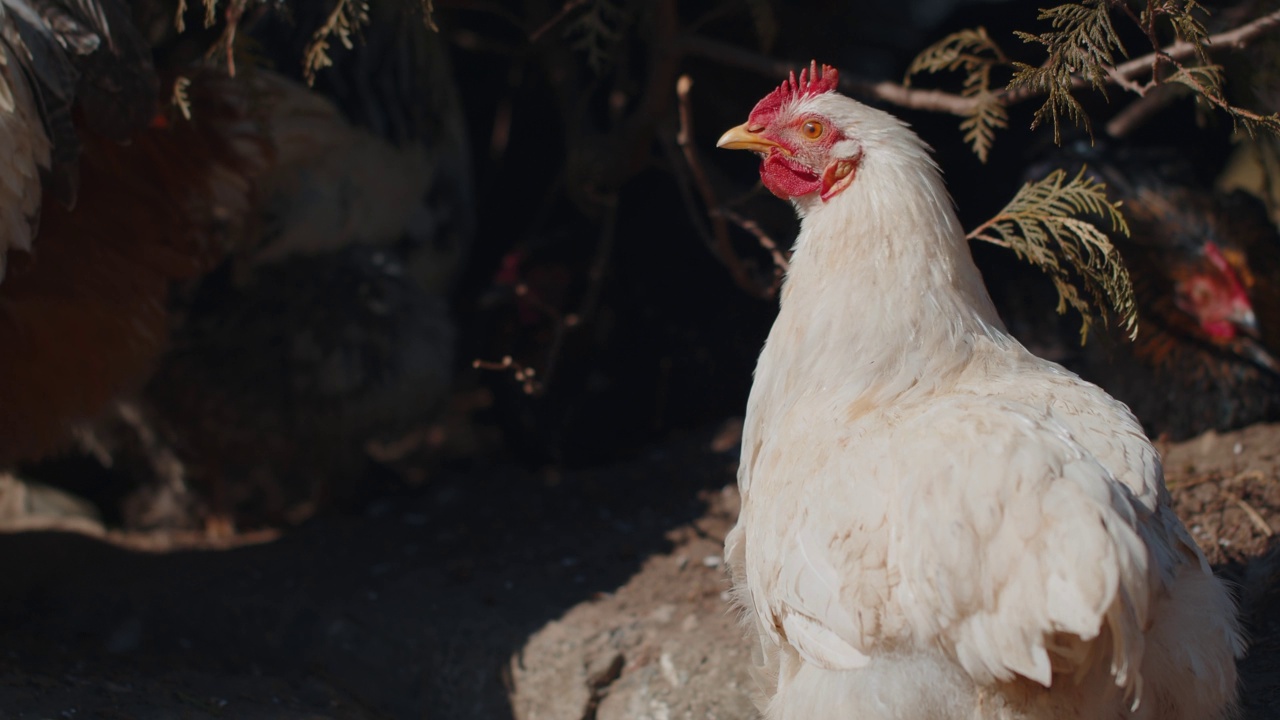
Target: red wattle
{"type": "Point", "coordinates": [1219, 329]}
{"type": "Point", "coordinates": [787, 180]}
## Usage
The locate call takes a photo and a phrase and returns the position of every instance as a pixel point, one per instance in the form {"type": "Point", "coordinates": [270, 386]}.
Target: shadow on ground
{"type": "Point", "coordinates": [410, 610]}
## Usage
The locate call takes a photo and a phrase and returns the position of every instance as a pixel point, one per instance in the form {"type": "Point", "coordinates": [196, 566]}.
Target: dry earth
{"type": "Point", "coordinates": [492, 593]}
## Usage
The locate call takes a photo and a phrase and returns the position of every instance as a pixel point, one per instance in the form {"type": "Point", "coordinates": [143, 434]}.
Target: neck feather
{"type": "Point", "coordinates": [882, 279]}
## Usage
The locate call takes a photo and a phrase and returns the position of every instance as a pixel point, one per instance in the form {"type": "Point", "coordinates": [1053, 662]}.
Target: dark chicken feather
{"type": "Point", "coordinates": [83, 53]}
{"type": "Point", "coordinates": [1206, 274]}
{"type": "Point", "coordinates": [85, 317]}
{"type": "Point", "coordinates": [331, 330]}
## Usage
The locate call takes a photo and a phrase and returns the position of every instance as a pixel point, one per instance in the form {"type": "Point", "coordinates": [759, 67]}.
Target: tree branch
{"type": "Point", "coordinates": [726, 54]}
{"type": "Point", "coordinates": [1140, 110]}
{"type": "Point", "coordinates": [723, 244]}
{"type": "Point", "coordinates": [1122, 75]}
{"type": "Point", "coordinates": [780, 263]}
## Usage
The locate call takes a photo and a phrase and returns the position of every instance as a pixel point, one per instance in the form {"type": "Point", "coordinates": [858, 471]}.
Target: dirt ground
{"type": "Point", "coordinates": [424, 603]}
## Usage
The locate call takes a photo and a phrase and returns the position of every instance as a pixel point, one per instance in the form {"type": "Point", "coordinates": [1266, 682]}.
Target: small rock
{"type": "Point", "coordinates": [663, 613]}
{"type": "Point", "coordinates": [669, 673]}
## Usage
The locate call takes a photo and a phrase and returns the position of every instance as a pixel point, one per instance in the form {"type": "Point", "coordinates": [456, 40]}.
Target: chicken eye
{"type": "Point", "coordinates": [812, 129]}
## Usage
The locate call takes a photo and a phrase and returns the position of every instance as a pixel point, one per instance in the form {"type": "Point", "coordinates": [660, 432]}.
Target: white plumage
{"type": "Point", "coordinates": [936, 524]}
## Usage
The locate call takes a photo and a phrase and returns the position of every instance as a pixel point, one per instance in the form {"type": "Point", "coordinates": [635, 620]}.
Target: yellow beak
{"type": "Point", "coordinates": [740, 138]}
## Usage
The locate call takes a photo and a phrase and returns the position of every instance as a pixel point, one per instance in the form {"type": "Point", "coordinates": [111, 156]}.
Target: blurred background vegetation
{"type": "Point", "coordinates": [585, 274]}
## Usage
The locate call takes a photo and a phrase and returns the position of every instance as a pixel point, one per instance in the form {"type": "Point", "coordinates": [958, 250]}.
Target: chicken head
{"type": "Point", "coordinates": [803, 151]}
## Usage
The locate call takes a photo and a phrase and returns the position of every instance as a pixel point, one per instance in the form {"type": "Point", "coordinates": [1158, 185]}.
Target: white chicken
{"type": "Point", "coordinates": [937, 524]}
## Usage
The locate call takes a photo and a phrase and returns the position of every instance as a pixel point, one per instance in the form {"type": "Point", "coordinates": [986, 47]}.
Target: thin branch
{"type": "Point", "coordinates": [1122, 75]}
{"type": "Point", "coordinates": [780, 263]}
{"type": "Point", "coordinates": [723, 244]}
{"type": "Point", "coordinates": [429, 15]}
{"type": "Point", "coordinates": [890, 92]}
{"type": "Point", "coordinates": [522, 374]}
{"type": "Point", "coordinates": [684, 183]}
{"type": "Point", "coordinates": [599, 264]}
{"type": "Point", "coordinates": [1127, 71]}
{"type": "Point", "coordinates": [1237, 39]}
{"type": "Point", "coordinates": [779, 258]}
{"type": "Point", "coordinates": [1254, 516]}
{"type": "Point", "coordinates": [227, 40]}
{"type": "Point", "coordinates": [556, 19]}
{"type": "Point", "coordinates": [1139, 111]}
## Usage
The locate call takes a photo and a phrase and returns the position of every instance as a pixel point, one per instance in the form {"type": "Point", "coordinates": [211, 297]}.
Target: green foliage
{"type": "Point", "coordinates": [1081, 46]}
{"type": "Point", "coordinates": [210, 14]}
{"type": "Point", "coordinates": [1081, 49]}
{"type": "Point", "coordinates": [1082, 42]}
{"type": "Point", "coordinates": [346, 19]}
{"type": "Point", "coordinates": [1206, 82]}
{"type": "Point", "coordinates": [1182, 15]}
{"type": "Point", "coordinates": [599, 31]}
{"type": "Point", "coordinates": [974, 53]}
{"type": "Point", "coordinates": [180, 98]}
{"type": "Point", "coordinates": [1044, 225]}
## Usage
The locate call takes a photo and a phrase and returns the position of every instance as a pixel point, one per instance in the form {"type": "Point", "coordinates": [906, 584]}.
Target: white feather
{"type": "Point", "coordinates": [920, 492]}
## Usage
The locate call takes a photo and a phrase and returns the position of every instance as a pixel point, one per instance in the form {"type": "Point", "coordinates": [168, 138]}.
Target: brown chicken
{"type": "Point", "coordinates": [329, 333]}
{"type": "Point", "coordinates": [259, 277]}
{"type": "Point", "coordinates": [84, 305]}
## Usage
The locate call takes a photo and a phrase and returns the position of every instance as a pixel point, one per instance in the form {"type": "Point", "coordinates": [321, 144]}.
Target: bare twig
{"type": "Point", "coordinates": [429, 15]}
{"type": "Point", "coordinates": [723, 244]}
{"type": "Point", "coordinates": [1192, 481]}
{"type": "Point", "coordinates": [684, 183]}
{"type": "Point", "coordinates": [227, 40]}
{"type": "Point", "coordinates": [1139, 111]}
{"type": "Point", "coordinates": [562, 323]}
{"type": "Point", "coordinates": [599, 264]}
{"type": "Point", "coordinates": [522, 291]}
{"type": "Point", "coordinates": [556, 19]}
{"type": "Point", "coordinates": [1124, 73]}
{"type": "Point", "coordinates": [235, 11]}
{"type": "Point", "coordinates": [1254, 516]}
{"type": "Point", "coordinates": [1236, 38]}
{"type": "Point", "coordinates": [1249, 475]}
{"type": "Point", "coordinates": [780, 262]}
{"type": "Point", "coordinates": [935, 100]}
{"type": "Point", "coordinates": [590, 299]}
{"type": "Point", "coordinates": [522, 374]}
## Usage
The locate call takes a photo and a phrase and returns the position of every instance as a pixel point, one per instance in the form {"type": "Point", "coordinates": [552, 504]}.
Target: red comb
{"type": "Point", "coordinates": [1220, 262]}
{"type": "Point", "coordinates": [813, 81]}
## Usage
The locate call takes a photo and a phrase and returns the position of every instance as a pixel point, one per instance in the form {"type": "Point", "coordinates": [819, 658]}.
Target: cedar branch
{"type": "Point", "coordinates": [1122, 75]}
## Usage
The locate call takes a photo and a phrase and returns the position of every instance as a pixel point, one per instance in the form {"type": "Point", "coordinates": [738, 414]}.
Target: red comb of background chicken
{"type": "Point", "coordinates": [1220, 262]}
{"type": "Point", "coordinates": [815, 82]}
